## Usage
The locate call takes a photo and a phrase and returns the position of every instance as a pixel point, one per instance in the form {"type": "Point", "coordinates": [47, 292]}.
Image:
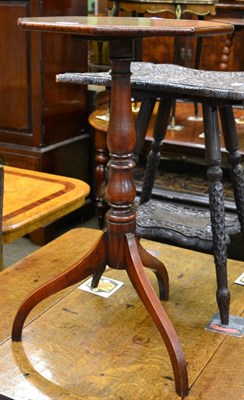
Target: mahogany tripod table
{"type": "Point", "coordinates": [119, 247]}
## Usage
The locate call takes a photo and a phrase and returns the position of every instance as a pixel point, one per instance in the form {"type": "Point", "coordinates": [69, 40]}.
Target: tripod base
{"type": "Point", "coordinates": [94, 263]}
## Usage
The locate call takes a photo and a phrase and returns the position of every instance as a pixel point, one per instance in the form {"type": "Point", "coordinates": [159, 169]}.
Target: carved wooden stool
{"type": "Point", "coordinates": [187, 225]}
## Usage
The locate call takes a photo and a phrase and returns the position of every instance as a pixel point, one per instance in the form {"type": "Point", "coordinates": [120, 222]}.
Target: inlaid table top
{"type": "Point", "coordinates": [93, 27]}
{"type": "Point", "coordinates": [33, 199]}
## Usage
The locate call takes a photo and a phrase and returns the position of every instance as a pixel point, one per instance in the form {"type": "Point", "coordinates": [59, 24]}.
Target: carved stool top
{"type": "Point", "coordinates": [184, 224]}
{"type": "Point", "coordinates": [173, 79]}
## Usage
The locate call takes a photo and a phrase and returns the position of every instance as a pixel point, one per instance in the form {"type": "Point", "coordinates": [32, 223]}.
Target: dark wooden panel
{"type": "Point", "coordinates": [40, 119]}
{"type": "Point", "coordinates": [63, 104]}
{"type": "Point", "coordinates": [19, 159]}
{"type": "Point", "coordinates": [14, 86]}
{"type": "Point", "coordinates": [68, 158]}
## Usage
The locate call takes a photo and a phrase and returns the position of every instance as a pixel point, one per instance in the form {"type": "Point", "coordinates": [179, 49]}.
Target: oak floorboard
{"type": "Point", "coordinates": [87, 347]}
{"type": "Point", "coordinates": [223, 376]}
{"type": "Point", "coordinates": [26, 275]}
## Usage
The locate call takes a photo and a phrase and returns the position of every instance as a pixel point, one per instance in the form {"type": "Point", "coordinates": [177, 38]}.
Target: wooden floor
{"type": "Point", "coordinates": [81, 346]}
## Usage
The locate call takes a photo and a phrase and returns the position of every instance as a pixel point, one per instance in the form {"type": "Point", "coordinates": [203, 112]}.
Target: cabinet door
{"type": "Point", "coordinates": [35, 111]}
{"type": "Point", "coordinates": [64, 112]}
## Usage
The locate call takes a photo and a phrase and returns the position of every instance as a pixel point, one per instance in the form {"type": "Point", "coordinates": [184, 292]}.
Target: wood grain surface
{"type": "Point", "coordinates": [118, 27]}
{"type": "Point", "coordinates": [33, 199]}
{"type": "Point", "coordinates": [80, 346]}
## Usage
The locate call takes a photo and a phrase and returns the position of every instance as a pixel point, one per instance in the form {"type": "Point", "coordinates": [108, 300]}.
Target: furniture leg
{"type": "Point", "coordinates": [101, 159]}
{"type": "Point", "coordinates": [150, 262]}
{"type": "Point", "coordinates": [97, 276]}
{"type": "Point", "coordinates": [153, 158]}
{"type": "Point", "coordinates": [158, 268]}
{"type": "Point", "coordinates": [142, 122]}
{"type": "Point", "coordinates": [216, 206]}
{"type": "Point", "coordinates": [177, 62]}
{"type": "Point", "coordinates": [232, 146]}
{"type": "Point", "coordinates": [225, 57]}
{"type": "Point", "coordinates": [196, 66]}
{"type": "Point", "coordinates": [94, 260]}
{"type": "Point", "coordinates": [197, 63]}
{"type": "Point", "coordinates": [145, 291]}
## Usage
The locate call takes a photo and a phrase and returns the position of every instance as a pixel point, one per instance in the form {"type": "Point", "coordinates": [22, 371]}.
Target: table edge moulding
{"type": "Point", "coordinates": [118, 247]}
{"type": "Point", "coordinates": [33, 199]}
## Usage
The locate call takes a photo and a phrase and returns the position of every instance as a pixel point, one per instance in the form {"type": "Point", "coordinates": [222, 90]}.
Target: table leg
{"type": "Point", "coordinates": [93, 261]}
{"type": "Point", "coordinates": [101, 158]}
{"type": "Point", "coordinates": [158, 268]}
{"type": "Point", "coordinates": [146, 293]}
{"type": "Point", "coordinates": [118, 247]}
{"type": "Point", "coordinates": [232, 146]}
{"type": "Point", "coordinates": [217, 209]}
{"type": "Point", "coordinates": [154, 156]}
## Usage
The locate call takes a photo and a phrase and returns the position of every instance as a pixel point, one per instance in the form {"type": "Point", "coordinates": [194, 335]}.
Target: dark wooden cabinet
{"type": "Point", "coordinates": [43, 125]}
